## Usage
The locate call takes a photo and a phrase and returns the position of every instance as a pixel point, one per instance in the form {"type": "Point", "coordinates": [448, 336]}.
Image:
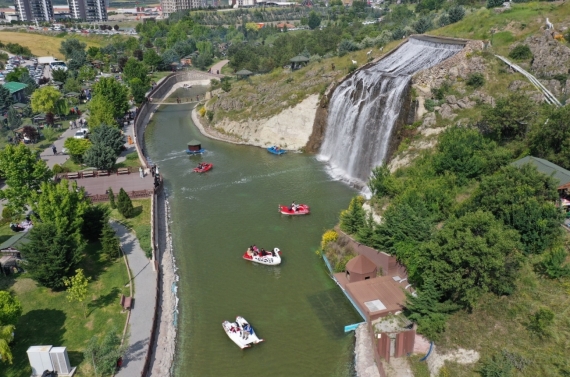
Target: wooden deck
{"type": "Point", "coordinates": [95, 186]}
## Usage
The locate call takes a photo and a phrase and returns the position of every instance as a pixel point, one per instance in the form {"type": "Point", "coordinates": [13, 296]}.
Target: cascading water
{"type": "Point", "coordinates": [365, 109]}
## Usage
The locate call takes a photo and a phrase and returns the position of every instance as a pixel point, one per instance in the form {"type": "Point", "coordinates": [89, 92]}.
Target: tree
{"type": "Point", "coordinates": [72, 85]}
{"type": "Point", "coordinates": [554, 264]}
{"type": "Point", "coordinates": [63, 206]}
{"type": "Point", "coordinates": [524, 199]}
{"type": "Point", "coordinates": [76, 148]}
{"type": "Point", "coordinates": [94, 218]}
{"type": "Point", "coordinates": [23, 173]}
{"type": "Point", "coordinates": [68, 46]}
{"type": "Point", "coordinates": [135, 69]}
{"type": "Point", "coordinates": [511, 118]}
{"type": "Point", "coordinates": [103, 354]}
{"type": "Point", "coordinates": [494, 3]}
{"type": "Point", "coordinates": [10, 309]}
{"type": "Point", "coordinates": [100, 156]}
{"type": "Point", "coordinates": [100, 112]}
{"type": "Point", "coordinates": [378, 182]}
{"type": "Point", "coordinates": [50, 255]}
{"type": "Point", "coordinates": [456, 13]}
{"type": "Point", "coordinates": [151, 58]}
{"type": "Point", "coordinates": [30, 82]}
{"type": "Point", "coordinates": [138, 89]}
{"type": "Point", "coordinates": [422, 25]}
{"type": "Point", "coordinates": [109, 136]}
{"type": "Point", "coordinates": [14, 118]}
{"type": "Point", "coordinates": [550, 138]}
{"type": "Point", "coordinates": [226, 84]}
{"type": "Point", "coordinates": [6, 336]}
{"type": "Point", "coordinates": [138, 53]}
{"type": "Point", "coordinates": [111, 198]}
{"type": "Point", "coordinates": [5, 97]}
{"type": "Point", "coordinates": [124, 204]}
{"type": "Point", "coordinates": [16, 74]}
{"type": "Point", "coordinates": [115, 93]}
{"type": "Point", "coordinates": [59, 75]}
{"type": "Point", "coordinates": [353, 218]}
{"type": "Point", "coordinates": [116, 27]}
{"type": "Point", "coordinates": [44, 99]}
{"type": "Point", "coordinates": [469, 256]}
{"type": "Point", "coordinates": [77, 287]}
{"type": "Point", "coordinates": [110, 242]}
{"type": "Point", "coordinates": [314, 20]}
{"type": "Point", "coordinates": [86, 73]}
{"type": "Point", "coordinates": [426, 309]}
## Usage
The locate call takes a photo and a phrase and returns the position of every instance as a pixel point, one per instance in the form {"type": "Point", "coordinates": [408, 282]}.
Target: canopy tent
{"type": "Point", "coordinates": [244, 73]}
{"type": "Point", "coordinates": [194, 145]}
{"type": "Point", "coordinates": [297, 62]}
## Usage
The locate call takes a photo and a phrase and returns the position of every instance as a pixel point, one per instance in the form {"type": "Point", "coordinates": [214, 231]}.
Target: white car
{"type": "Point", "coordinates": [80, 135]}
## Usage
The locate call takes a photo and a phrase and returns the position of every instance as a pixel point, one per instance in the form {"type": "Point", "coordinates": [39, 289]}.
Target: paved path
{"type": "Point", "coordinates": [217, 68]}
{"type": "Point", "coordinates": [129, 182]}
{"type": "Point", "coordinates": [143, 303]}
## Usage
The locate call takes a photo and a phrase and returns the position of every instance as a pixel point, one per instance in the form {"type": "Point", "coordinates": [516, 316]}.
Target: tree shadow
{"type": "Point", "coordinates": [104, 300]}
{"type": "Point", "coordinates": [36, 327]}
{"type": "Point", "coordinates": [6, 282]}
{"type": "Point", "coordinates": [95, 262]}
{"type": "Point", "coordinates": [137, 211]}
{"type": "Point", "coordinates": [75, 358]}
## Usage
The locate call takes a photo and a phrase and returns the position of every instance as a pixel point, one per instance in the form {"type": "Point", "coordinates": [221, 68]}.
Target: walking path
{"type": "Point", "coordinates": [142, 311]}
{"type": "Point", "coordinates": [217, 68]}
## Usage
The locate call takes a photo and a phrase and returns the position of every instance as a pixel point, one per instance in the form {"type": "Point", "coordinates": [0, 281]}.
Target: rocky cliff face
{"type": "Point", "coordinates": [550, 57]}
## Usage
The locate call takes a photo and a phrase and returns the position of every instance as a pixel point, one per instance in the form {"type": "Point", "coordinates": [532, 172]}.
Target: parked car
{"type": "Point", "coordinates": [80, 135]}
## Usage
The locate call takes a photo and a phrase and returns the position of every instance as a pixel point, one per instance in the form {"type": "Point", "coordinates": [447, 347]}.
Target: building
{"type": "Point", "coordinates": [173, 6]}
{"type": "Point", "coordinates": [34, 10]}
{"type": "Point", "coordinates": [243, 3]}
{"type": "Point", "coordinates": [546, 167]}
{"type": "Point", "coordinates": [88, 10]}
{"type": "Point", "coordinates": [16, 90]}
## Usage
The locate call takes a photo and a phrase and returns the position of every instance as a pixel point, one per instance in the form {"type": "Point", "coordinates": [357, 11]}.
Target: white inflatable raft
{"type": "Point", "coordinates": [235, 333]}
{"type": "Point", "coordinates": [246, 328]}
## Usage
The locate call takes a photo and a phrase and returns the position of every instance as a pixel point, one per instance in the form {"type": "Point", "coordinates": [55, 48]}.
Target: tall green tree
{"type": "Point", "coordinates": [550, 137]}
{"type": "Point", "coordinates": [14, 118]}
{"type": "Point", "coordinates": [108, 136]}
{"type": "Point", "coordinates": [110, 242]}
{"type": "Point", "coordinates": [115, 93]}
{"type": "Point", "coordinates": [59, 75]}
{"type": "Point", "coordinates": [23, 173]}
{"type": "Point", "coordinates": [138, 89]}
{"type": "Point", "coordinates": [511, 117]}
{"type": "Point", "coordinates": [124, 204]}
{"type": "Point", "coordinates": [94, 218]}
{"type": "Point", "coordinates": [314, 20]}
{"type": "Point", "coordinates": [76, 148]}
{"type": "Point", "coordinates": [51, 255]}
{"type": "Point", "coordinates": [353, 218]}
{"type": "Point", "coordinates": [44, 100]}
{"type": "Point", "coordinates": [524, 199]}
{"type": "Point", "coordinates": [5, 97]}
{"type": "Point", "coordinates": [100, 112]}
{"type": "Point", "coordinates": [100, 156]}
{"type": "Point", "coordinates": [470, 256]}
{"type": "Point", "coordinates": [136, 69]}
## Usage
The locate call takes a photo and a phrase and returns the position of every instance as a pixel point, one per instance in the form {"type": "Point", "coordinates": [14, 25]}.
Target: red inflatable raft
{"type": "Point", "coordinates": [302, 209]}
{"type": "Point", "coordinates": [205, 167]}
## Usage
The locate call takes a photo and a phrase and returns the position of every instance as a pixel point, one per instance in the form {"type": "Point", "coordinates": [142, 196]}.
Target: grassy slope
{"type": "Point", "coordinates": [266, 95]}
{"type": "Point", "coordinates": [42, 45]}
{"type": "Point", "coordinates": [510, 26]}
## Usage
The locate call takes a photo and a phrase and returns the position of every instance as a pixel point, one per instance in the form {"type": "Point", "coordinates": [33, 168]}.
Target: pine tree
{"type": "Point", "coordinates": [111, 198]}
{"type": "Point", "coordinates": [110, 242]}
{"type": "Point", "coordinates": [124, 204]}
{"type": "Point", "coordinates": [353, 218]}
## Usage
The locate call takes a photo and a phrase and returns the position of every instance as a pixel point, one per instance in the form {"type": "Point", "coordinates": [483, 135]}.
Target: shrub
{"type": "Point", "coordinates": [422, 25]}
{"type": "Point", "coordinates": [202, 111]}
{"type": "Point", "coordinates": [328, 237]}
{"type": "Point", "coordinates": [352, 68]}
{"type": "Point", "coordinates": [210, 115]}
{"type": "Point", "coordinates": [345, 46]}
{"type": "Point", "coordinates": [57, 169]}
{"type": "Point", "coordinates": [94, 218]}
{"type": "Point", "coordinates": [494, 3]}
{"type": "Point", "coordinates": [520, 52]}
{"type": "Point", "coordinates": [7, 214]}
{"type": "Point", "coordinates": [353, 218]}
{"type": "Point", "coordinates": [498, 366]}
{"type": "Point", "coordinates": [456, 14]}
{"type": "Point", "coordinates": [541, 321]}
{"type": "Point", "coordinates": [475, 80]}
{"type": "Point", "coordinates": [109, 242]}
{"type": "Point", "coordinates": [124, 204]}
{"type": "Point", "coordinates": [111, 198]}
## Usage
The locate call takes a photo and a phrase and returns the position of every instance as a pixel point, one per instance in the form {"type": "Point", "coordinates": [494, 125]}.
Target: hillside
{"type": "Point", "coordinates": [43, 45]}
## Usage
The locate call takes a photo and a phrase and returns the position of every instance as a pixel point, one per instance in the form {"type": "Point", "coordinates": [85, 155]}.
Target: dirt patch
{"type": "Point", "coordinates": [22, 286]}
{"type": "Point", "coordinates": [461, 356]}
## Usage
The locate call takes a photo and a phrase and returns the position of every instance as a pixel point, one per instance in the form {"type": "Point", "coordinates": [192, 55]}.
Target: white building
{"type": "Point", "coordinates": [172, 6]}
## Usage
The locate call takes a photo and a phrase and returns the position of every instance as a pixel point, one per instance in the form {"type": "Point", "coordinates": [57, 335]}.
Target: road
{"type": "Point", "coordinates": [217, 68]}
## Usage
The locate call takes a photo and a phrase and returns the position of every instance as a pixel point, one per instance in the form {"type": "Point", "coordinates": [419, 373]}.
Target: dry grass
{"type": "Point", "coordinates": [41, 45]}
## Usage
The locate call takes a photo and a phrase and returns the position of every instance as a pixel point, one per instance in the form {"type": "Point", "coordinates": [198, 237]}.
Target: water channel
{"type": "Point", "coordinates": [295, 307]}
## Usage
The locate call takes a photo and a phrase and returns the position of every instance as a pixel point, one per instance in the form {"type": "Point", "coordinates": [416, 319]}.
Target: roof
{"type": "Point", "coordinates": [299, 58]}
{"type": "Point", "coordinates": [546, 167]}
{"type": "Point", "coordinates": [194, 142]}
{"type": "Point", "coordinates": [15, 241]}
{"type": "Point", "coordinates": [360, 265]}
{"type": "Point", "coordinates": [14, 87]}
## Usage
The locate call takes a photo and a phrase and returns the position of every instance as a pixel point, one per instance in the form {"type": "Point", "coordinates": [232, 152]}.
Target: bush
{"type": "Point", "coordinates": [475, 80]}
{"type": "Point", "coordinates": [520, 52]}
{"type": "Point", "coordinates": [456, 14]}
{"type": "Point", "coordinates": [7, 214]}
{"type": "Point", "coordinates": [352, 68]}
{"type": "Point", "coordinates": [57, 169]}
{"type": "Point", "coordinates": [202, 111]}
{"type": "Point", "coordinates": [346, 46]}
{"type": "Point", "coordinates": [111, 198]}
{"type": "Point", "coordinates": [422, 25]}
{"type": "Point", "coordinates": [498, 366]}
{"type": "Point", "coordinates": [494, 3]}
{"type": "Point", "coordinates": [94, 218]}
{"type": "Point", "coordinates": [124, 204]}
{"type": "Point", "coordinates": [328, 237]}
{"type": "Point", "coordinates": [109, 242]}
{"type": "Point", "coordinates": [210, 115]}
{"type": "Point", "coordinates": [541, 321]}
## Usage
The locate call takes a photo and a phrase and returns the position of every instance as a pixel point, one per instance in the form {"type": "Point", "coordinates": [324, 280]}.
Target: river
{"type": "Point", "coordinates": [295, 307]}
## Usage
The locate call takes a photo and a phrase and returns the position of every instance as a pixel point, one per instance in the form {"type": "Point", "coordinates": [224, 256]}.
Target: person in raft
{"type": "Point", "coordinates": [200, 165]}
{"type": "Point", "coordinates": [293, 207]}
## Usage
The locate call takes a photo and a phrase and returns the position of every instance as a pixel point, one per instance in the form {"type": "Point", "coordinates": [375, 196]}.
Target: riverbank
{"type": "Point", "coordinates": [290, 129]}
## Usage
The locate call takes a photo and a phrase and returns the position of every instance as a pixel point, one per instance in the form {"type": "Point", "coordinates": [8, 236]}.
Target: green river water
{"type": "Point", "coordinates": [295, 307]}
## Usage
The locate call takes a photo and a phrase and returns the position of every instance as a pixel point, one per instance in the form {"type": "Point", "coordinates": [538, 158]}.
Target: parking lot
{"type": "Point", "coordinates": [37, 71]}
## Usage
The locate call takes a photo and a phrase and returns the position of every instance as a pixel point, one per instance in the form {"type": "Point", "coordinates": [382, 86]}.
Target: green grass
{"type": "Point", "coordinates": [516, 24]}
{"type": "Point", "coordinates": [155, 76]}
{"type": "Point", "coordinates": [132, 161]}
{"type": "Point", "coordinates": [419, 368]}
{"type": "Point", "coordinates": [48, 318]}
{"type": "Point", "coordinates": [140, 223]}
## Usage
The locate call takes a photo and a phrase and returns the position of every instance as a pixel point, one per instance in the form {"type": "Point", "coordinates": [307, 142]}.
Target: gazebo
{"type": "Point", "coordinates": [244, 73]}
{"type": "Point", "coordinates": [297, 62]}
{"type": "Point", "coordinates": [195, 147]}
{"type": "Point", "coordinates": [360, 268]}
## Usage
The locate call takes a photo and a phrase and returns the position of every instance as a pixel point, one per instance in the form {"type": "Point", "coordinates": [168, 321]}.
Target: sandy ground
{"type": "Point", "coordinates": [289, 129]}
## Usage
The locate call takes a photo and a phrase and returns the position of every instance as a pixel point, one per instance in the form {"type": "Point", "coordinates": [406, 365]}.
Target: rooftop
{"type": "Point", "coordinates": [14, 87]}
{"type": "Point", "coordinates": [546, 167]}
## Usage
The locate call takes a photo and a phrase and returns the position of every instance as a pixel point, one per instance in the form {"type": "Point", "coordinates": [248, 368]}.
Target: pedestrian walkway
{"type": "Point", "coordinates": [217, 68]}
{"type": "Point", "coordinates": [143, 306]}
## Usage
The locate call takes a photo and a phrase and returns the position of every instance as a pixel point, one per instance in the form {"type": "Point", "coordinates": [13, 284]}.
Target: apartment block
{"type": "Point", "coordinates": [34, 10]}
{"type": "Point", "coordinates": [88, 10]}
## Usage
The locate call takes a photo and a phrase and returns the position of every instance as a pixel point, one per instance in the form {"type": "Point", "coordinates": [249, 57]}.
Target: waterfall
{"type": "Point", "coordinates": [365, 109]}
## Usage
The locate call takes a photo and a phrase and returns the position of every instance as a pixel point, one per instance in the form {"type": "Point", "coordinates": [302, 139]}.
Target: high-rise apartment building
{"type": "Point", "coordinates": [172, 6]}
{"type": "Point", "coordinates": [88, 10]}
{"type": "Point", "coordinates": [34, 10]}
